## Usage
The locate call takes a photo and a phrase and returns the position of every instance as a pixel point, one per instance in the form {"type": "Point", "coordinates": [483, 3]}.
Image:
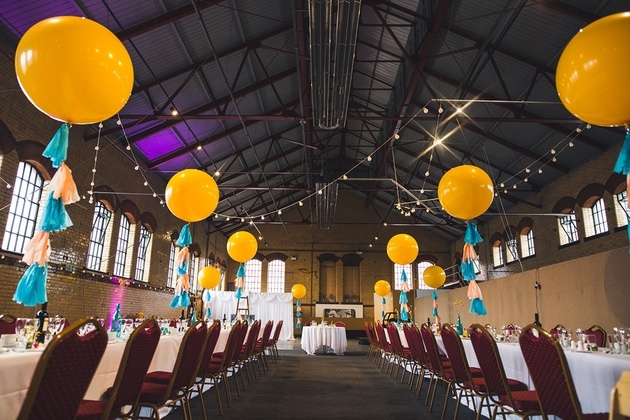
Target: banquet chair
{"type": "Point", "coordinates": [133, 367]}
{"type": "Point", "coordinates": [551, 376]}
{"type": "Point", "coordinates": [64, 372]}
{"type": "Point", "coordinates": [402, 354]}
{"type": "Point", "coordinates": [417, 353]}
{"type": "Point", "coordinates": [235, 366]}
{"type": "Point", "coordinates": [599, 333]}
{"type": "Point", "coordinates": [437, 368]}
{"type": "Point", "coordinates": [340, 324]}
{"type": "Point", "coordinates": [157, 393]}
{"type": "Point", "coordinates": [620, 398]}
{"type": "Point", "coordinates": [385, 345]}
{"type": "Point", "coordinates": [369, 332]}
{"type": "Point", "coordinates": [556, 332]}
{"type": "Point", "coordinates": [273, 342]}
{"type": "Point", "coordinates": [246, 351]}
{"type": "Point", "coordinates": [7, 324]}
{"type": "Point", "coordinates": [507, 396]}
{"type": "Point", "coordinates": [261, 346]}
{"type": "Point", "coordinates": [216, 369]}
{"type": "Point", "coordinates": [211, 343]}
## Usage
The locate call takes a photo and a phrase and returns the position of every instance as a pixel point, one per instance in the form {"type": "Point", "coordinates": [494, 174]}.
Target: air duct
{"type": "Point", "coordinates": [333, 28]}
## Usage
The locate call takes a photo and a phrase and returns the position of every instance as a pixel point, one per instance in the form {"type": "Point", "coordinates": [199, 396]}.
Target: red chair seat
{"type": "Point", "coordinates": [153, 392]}
{"type": "Point", "coordinates": [159, 377]}
{"type": "Point", "coordinates": [523, 400]}
{"type": "Point", "coordinates": [92, 409]}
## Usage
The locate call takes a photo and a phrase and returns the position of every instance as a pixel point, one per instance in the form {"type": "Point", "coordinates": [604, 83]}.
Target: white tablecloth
{"type": "Point", "coordinates": [594, 374]}
{"type": "Point", "coordinates": [19, 367]}
{"type": "Point", "coordinates": [315, 337]}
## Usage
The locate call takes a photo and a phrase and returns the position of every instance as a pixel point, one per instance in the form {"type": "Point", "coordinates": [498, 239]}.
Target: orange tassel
{"type": "Point", "coordinates": [62, 184]}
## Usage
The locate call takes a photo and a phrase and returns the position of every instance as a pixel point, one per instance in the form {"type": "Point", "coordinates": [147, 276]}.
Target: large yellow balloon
{"type": "Point", "coordinates": [434, 276]}
{"type": "Point", "coordinates": [402, 249]}
{"type": "Point", "coordinates": [192, 195]}
{"type": "Point", "coordinates": [74, 69]}
{"type": "Point", "coordinates": [242, 246]}
{"type": "Point", "coordinates": [382, 288]}
{"type": "Point", "coordinates": [298, 291]}
{"type": "Point", "coordinates": [592, 76]}
{"type": "Point", "coordinates": [209, 277]}
{"type": "Point", "coordinates": [465, 192]}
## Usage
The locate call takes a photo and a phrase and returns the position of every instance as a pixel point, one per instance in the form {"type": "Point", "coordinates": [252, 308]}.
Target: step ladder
{"type": "Point", "coordinates": [242, 312]}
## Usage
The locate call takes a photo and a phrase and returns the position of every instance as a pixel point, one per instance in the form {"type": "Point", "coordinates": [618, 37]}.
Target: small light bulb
{"type": "Point", "coordinates": [385, 224]}
{"type": "Point", "coordinates": [540, 171]}
{"type": "Point", "coordinates": [300, 203]}
{"type": "Point", "coordinates": [396, 136]}
{"type": "Point", "coordinates": [525, 180]}
{"type": "Point", "coordinates": [440, 110]}
{"type": "Point", "coordinates": [227, 219]}
{"type": "Point", "coordinates": [514, 186]}
{"type": "Point", "coordinates": [527, 170]}
{"type": "Point", "coordinates": [262, 217]}
{"type": "Point", "coordinates": [553, 151]}
{"type": "Point", "coordinates": [96, 147]}
{"type": "Point", "coordinates": [146, 183]}
{"type": "Point", "coordinates": [128, 147]}
{"type": "Point", "coordinates": [369, 158]}
{"type": "Point", "coordinates": [425, 110]}
{"type": "Point", "coordinates": [554, 159]}
{"type": "Point", "coordinates": [502, 185]}
{"type": "Point", "coordinates": [345, 177]}
{"type": "Point", "coordinates": [422, 191]}
{"type": "Point", "coordinates": [136, 167]}
{"type": "Point", "coordinates": [578, 130]}
{"type": "Point", "coordinates": [320, 192]}
{"type": "Point", "coordinates": [571, 144]}
{"type": "Point", "coordinates": [279, 212]}
{"type": "Point", "coordinates": [118, 122]}
{"type": "Point", "coordinates": [100, 125]}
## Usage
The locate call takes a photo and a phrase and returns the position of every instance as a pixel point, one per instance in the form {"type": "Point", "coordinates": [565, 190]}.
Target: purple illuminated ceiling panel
{"type": "Point", "coordinates": [159, 144]}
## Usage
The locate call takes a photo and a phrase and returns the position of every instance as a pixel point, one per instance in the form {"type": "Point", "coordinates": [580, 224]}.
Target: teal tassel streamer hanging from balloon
{"type": "Point", "coordinates": [31, 289]}
{"type": "Point", "coordinates": [185, 237]}
{"type": "Point", "coordinates": [298, 314]}
{"type": "Point", "coordinates": [469, 256]}
{"type": "Point", "coordinates": [57, 149]}
{"type": "Point", "coordinates": [403, 300]}
{"type": "Point", "coordinates": [435, 304]}
{"type": "Point", "coordinates": [207, 297]}
{"type": "Point", "coordinates": [240, 281]}
{"type": "Point", "coordinates": [622, 166]}
{"type": "Point", "coordinates": [383, 312]}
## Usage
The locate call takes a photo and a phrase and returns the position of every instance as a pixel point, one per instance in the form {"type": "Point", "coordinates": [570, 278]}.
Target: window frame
{"type": "Point", "coordinates": [420, 267]}
{"type": "Point", "coordinates": [144, 243]}
{"type": "Point", "coordinates": [569, 220]}
{"type": "Point", "coordinates": [622, 213]}
{"type": "Point", "coordinates": [253, 275]}
{"type": "Point", "coordinates": [398, 268]}
{"type": "Point", "coordinates": [101, 219]}
{"type": "Point", "coordinates": [122, 246]}
{"type": "Point", "coordinates": [276, 276]}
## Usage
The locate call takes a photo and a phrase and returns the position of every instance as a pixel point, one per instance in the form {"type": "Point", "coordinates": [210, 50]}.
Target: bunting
{"type": "Point", "coordinates": [182, 286]}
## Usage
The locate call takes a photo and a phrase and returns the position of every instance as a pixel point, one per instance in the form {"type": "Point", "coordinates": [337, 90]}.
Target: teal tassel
{"type": "Point", "coordinates": [403, 276]}
{"type": "Point", "coordinates": [404, 315]}
{"type": "Point", "coordinates": [185, 238]}
{"type": "Point", "coordinates": [182, 269]}
{"type": "Point", "coordinates": [459, 326]}
{"type": "Point", "coordinates": [468, 270]}
{"type": "Point", "coordinates": [623, 161]}
{"type": "Point", "coordinates": [435, 312]}
{"type": "Point", "coordinates": [477, 307]}
{"type": "Point", "coordinates": [434, 295]}
{"type": "Point", "coordinates": [384, 301]}
{"type": "Point", "coordinates": [182, 300]}
{"type": "Point", "coordinates": [383, 314]}
{"type": "Point", "coordinates": [55, 216]}
{"type": "Point", "coordinates": [238, 293]}
{"type": "Point", "coordinates": [57, 149]}
{"type": "Point", "coordinates": [403, 298]}
{"type": "Point", "coordinates": [472, 235]}
{"type": "Point", "coordinates": [298, 314]}
{"type": "Point", "coordinates": [31, 288]}
{"type": "Point", "coordinates": [208, 313]}
{"type": "Point", "coordinates": [241, 271]}
{"type": "Point", "coordinates": [298, 303]}
{"type": "Point", "coordinates": [193, 318]}
{"type": "Point", "coordinates": [297, 326]}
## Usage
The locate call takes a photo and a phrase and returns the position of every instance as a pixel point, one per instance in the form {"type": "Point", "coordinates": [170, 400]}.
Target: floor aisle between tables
{"type": "Point", "coordinates": [328, 386]}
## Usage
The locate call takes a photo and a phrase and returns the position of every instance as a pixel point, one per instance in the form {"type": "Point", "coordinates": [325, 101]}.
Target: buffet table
{"type": "Point", "coordinates": [315, 337]}
{"type": "Point", "coordinates": [20, 365]}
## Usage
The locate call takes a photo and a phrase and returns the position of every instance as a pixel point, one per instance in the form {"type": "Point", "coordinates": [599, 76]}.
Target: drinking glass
{"type": "Point", "coordinates": [25, 328]}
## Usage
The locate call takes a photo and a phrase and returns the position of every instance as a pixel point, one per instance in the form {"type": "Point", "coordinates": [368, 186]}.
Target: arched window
{"type": "Point", "coordinates": [398, 269]}
{"type": "Point", "coordinates": [621, 208]}
{"type": "Point", "coordinates": [275, 276]}
{"type": "Point", "coordinates": [24, 208]}
{"type": "Point", "coordinates": [99, 238]}
{"type": "Point", "coordinates": [567, 229]}
{"type": "Point", "coordinates": [121, 266]}
{"type": "Point", "coordinates": [423, 265]}
{"type": "Point", "coordinates": [253, 275]}
{"type": "Point", "coordinates": [143, 259]}
{"type": "Point", "coordinates": [511, 245]}
{"type": "Point", "coordinates": [595, 219]}
{"type": "Point", "coordinates": [193, 269]}
{"type": "Point", "coordinates": [497, 249]}
{"type": "Point", "coordinates": [526, 234]}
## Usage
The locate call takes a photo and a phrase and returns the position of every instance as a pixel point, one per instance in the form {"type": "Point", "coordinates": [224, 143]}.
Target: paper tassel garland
{"type": "Point", "coordinates": [403, 300]}
{"type": "Point", "coordinates": [31, 289]}
{"type": "Point", "coordinates": [57, 149]}
{"type": "Point", "coordinates": [207, 297]}
{"type": "Point", "coordinates": [181, 298]}
{"type": "Point", "coordinates": [472, 238]}
{"type": "Point", "coordinates": [622, 166]}
{"type": "Point", "coordinates": [240, 281]}
{"type": "Point", "coordinates": [298, 314]}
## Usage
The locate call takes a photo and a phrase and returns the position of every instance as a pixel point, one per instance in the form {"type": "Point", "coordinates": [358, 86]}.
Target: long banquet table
{"type": "Point", "coordinates": [19, 367]}
{"type": "Point", "coordinates": [594, 373]}
{"type": "Point", "coordinates": [314, 337]}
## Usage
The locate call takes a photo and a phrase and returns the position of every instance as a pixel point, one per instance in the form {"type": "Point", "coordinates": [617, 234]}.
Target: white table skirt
{"type": "Point", "coordinates": [20, 366]}
{"type": "Point", "coordinates": [315, 337]}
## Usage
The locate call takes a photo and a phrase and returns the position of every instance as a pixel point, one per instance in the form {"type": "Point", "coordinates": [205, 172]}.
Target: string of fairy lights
{"type": "Point", "coordinates": [406, 207]}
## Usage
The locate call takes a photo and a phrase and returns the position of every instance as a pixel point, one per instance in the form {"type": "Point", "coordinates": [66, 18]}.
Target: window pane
{"type": "Point", "coordinates": [121, 247]}
{"type": "Point", "coordinates": [275, 276]}
{"type": "Point", "coordinates": [253, 275]}
{"type": "Point", "coordinates": [398, 269]}
{"type": "Point", "coordinates": [171, 274]}
{"type": "Point", "coordinates": [497, 256]}
{"type": "Point", "coordinates": [100, 221]}
{"type": "Point", "coordinates": [25, 198]}
{"type": "Point", "coordinates": [567, 229]}
{"type": "Point", "coordinates": [527, 244]}
{"type": "Point", "coordinates": [143, 246]}
{"type": "Point", "coordinates": [512, 250]}
{"type": "Point", "coordinates": [621, 208]}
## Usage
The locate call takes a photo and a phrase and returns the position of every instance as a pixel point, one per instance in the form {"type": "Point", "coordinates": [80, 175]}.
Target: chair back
{"type": "Point", "coordinates": [247, 349]}
{"type": "Point", "coordinates": [276, 332]}
{"type": "Point", "coordinates": [599, 333]}
{"type": "Point", "coordinates": [340, 324]}
{"type": "Point", "coordinates": [489, 360]}
{"type": "Point", "coordinates": [382, 339]}
{"type": "Point", "coordinates": [7, 324]}
{"type": "Point", "coordinates": [264, 340]}
{"type": "Point", "coordinates": [412, 334]}
{"type": "Point", "coordinates": [550, 373]}
{"type": "Point", "coordinates": [134, 366]}
{"type": "Point", "coordinates": [394, 339]}
{"type": "Point", "coordinates": [211, 343]}
{"type": "Point", "coordinates": [188, 357]}
{"type": "Point", "coordinates": [230, 344]}
{"type": "Point", "coordinates": [456, 354]}
{"type": "Point", "coordinates": [64, 372]}
{"type": "Point", "coordinates": [432, 352]}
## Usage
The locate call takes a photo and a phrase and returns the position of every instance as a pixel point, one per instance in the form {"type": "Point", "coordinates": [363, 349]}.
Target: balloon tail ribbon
{"type": "Point", "coordinates": [476, 299]}
{"type": "Point", "coordinates": [298, 313]}
{"type": "Point", "coordinates": [240, 281]}
{"type": "Point", "coordinates": [57, 149]}
{"type": "Point", "coordinates": [435, 303]}
{"type": "Point", "coordinates": [181, 298]}
{"type": "Point", "coordinates": [622, 166]}
{"type": "Point", "coordinates": [185, 238]}
{"type": "Point", "coordinates": [31, 289]}
{"type": "Point", "coordinates": [472, 238]}
{"type": "Point", "coordinates": [207, 297]}
{"type": "Point", "coordinates": [384, 303]}
{"type": "Point", "coordinates": [403, 300]}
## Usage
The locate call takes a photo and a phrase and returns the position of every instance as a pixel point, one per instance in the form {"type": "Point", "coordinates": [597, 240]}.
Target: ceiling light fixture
{"type": "Point", "coordinates": [333, 27]}
{"type": "Point", "coordinates": [174, 111]}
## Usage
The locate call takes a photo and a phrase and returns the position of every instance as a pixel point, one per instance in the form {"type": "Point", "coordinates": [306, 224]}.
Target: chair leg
{"type": "Point", "coordinates": [203, 405]}
{"type": "Point", "coordinates": [226, 384]}
{"type": "Point", "coordinates": [447, 397]}
{"type": "Point", "coordinates": [216, 388]}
